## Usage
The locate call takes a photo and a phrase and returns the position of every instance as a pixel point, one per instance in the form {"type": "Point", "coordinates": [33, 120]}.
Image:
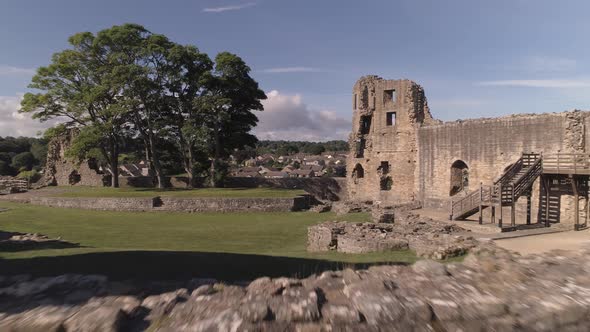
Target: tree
{"type": "Point", "coordinates": [5, 168]}
{"type": "Point", "coordinates": [82, 85]}
{"type": "Point", "coordinates": [227, 107]}
{"type": "Point", "coordinates": [39, 151]}
{"type": "Point", "coordinates": [187, 73]}
{"type": "Point", "coordinates": [23, 161]}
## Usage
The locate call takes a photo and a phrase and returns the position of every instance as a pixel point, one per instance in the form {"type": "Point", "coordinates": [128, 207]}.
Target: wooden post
{"type": "Point", "coordinates": [574, 180]}
{"type": "Point", "coordinates": [493, 214]}
{"type": "Point", "coordinates": [501, 213]}
{"type": "Point", "coordinates": [528, 209]}
{"type": "Point", "coordinates": [480, 203]}
{"type": "Point", "coordinates": [547, 190]}
{"type": "Point", "coordinates": [512, 210]}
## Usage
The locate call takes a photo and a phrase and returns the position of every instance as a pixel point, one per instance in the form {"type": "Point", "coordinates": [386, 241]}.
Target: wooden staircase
{"type": "Point", "coordinates": [514, 183]}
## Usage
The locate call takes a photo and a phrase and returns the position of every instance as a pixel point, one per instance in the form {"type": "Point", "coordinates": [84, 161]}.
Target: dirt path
{"type": "Point", "coordinates": [542, 243]}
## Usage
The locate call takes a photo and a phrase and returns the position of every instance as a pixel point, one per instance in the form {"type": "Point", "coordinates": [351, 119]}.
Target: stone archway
{"type": "Point", "coordinates": [459, 177]}
{"type": "Point", "coordinates": [358, 173]}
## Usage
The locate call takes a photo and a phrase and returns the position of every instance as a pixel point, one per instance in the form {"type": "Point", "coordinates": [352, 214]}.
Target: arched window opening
{"type": "Point", "coordinates": [459, 177]}
{"type": "Point", "coordinates": [358, 173]}
{"type": "Point", "coordinates": [386, 183]}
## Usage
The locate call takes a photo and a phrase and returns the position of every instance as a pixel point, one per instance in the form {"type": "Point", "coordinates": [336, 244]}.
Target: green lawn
{"type": "Point", "coordinates": [234, 246]}
{"type": "Point", "coordinates": [82, 191]}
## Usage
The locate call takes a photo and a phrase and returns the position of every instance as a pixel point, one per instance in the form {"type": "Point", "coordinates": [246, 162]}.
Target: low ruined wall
{"type": "Point", "coordinates": [218, 204]}
{"type": "Point", "coordinates": [180, 182]}
{"type": "Point", "coordinates": [326, 188]}
{"type": "Point", "coordinates": [97, 203]}
{"type": "Point", "coordinates": [204, 204]}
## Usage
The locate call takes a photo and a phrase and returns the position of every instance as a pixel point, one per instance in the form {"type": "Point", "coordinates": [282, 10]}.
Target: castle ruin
{"type": "Point", "coordinates": [529, 168]}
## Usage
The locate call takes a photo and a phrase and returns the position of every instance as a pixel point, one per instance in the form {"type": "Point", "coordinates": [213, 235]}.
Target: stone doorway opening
{"type": "Point", "coordinates": [459, 177]}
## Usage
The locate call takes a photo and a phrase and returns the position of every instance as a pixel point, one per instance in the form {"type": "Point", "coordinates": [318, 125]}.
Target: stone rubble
{"type": "Point", "coordinates": [428, 238]}
{"type": "Point", "coordinates": [492, 290]}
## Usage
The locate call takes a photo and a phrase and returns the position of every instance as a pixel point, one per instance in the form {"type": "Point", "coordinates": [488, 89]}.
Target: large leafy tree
{"type": "Point", "coordinates": [127, 82]}
{"type": "Point", "coordinates": [226, 109]}
{"type": "Point", "coordinates": [81, 86]}
{"type": "Point", "coordinates": [188, 76]}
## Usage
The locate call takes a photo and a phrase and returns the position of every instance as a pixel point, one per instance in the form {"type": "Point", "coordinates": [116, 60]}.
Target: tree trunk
{"type": "Point", "coordinates": [114, 165]}
{"type": "Point", "coordinates": [189, 167]}
{"type": "Point", "coordinates": [155, 161]}
{"type": "Point", "coordinates": [216, 156]}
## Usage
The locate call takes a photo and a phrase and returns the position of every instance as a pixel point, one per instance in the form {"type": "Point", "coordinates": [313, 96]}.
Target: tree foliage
{"type": "Point", "coordinates": [126, 83]}
{"type": "Point", "coordinates": [31, 154]}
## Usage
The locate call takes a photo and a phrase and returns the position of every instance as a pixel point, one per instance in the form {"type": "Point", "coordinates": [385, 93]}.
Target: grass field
{"type": "Point", "coordinates": [233, 246]}
{"type": "Point", "coordinates": [82, 191]}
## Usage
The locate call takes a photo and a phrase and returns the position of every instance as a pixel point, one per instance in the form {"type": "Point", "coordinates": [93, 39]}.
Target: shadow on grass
{"type": "Point", "coordinates": [175, 265]}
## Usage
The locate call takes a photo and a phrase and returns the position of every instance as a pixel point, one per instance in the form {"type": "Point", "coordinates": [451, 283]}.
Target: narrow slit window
{"type": "Point", "coordinates": [354, 102]}
{"type": "Point", "coordinates": [384, 168]}
{"type": "Point", "coordinates": [391, 118]}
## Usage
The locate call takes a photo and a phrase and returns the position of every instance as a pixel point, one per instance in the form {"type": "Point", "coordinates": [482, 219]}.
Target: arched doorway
{"type": "Point", "coordinates": [459, 177]}
{"type": "Point", "coordinates": [358, 173]}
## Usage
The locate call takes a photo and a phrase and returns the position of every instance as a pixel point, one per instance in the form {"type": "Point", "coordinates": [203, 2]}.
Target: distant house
{"type": "Point", "coordinates": [276, 175]}
{"type": "Point", "coordinates": [284, 159]}
{"type": "Point", "coordinates": [264, 170]}
{"type": "Point", "coordinates": [300, 173]}
{"type": "Point", "coordinates": [288, 169]}
{"type": "Point", "coordinates": [135, 170]}
{"type": "Point", "coordinates": [250, 162]}
{"type": "Point", "coordinates": [249, 169]}
{"type": "Point", "coordinates": [265, 159]}
{"type": "Point", "coordinates": [249, 174]}
{"type": "Point", "coordinates": [312, 160]}
{"type": "Point", "coordinates": [319, 169]}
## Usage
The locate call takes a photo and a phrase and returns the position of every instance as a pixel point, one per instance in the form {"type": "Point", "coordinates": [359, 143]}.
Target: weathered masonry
{"type": "Point", "coordinates": [529, 168]}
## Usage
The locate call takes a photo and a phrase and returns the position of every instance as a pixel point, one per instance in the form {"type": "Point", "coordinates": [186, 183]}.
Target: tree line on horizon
{"type": "Point", "coordinates": [23, 157]}
{"type": "Point", "coordinates": [126, 83]}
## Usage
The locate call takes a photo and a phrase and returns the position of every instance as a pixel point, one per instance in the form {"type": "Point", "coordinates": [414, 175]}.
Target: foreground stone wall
{"type": "Point", "coordinates": [492, 290]}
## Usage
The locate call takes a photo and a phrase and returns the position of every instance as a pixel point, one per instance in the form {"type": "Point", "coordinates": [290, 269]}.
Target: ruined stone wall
{"type": "Point", "coordinates": [384, 145]}
{"type": "Point", "coordinates": [62, 171]}
{"type": "Point", "coordinates": [97, 203]}
{"type": "Point", "coordinates": [489, 146]}
{"type": "Point", "coordinates": [218, 204]}
{"type": "Point", "coordinates": [324, 188]}
{"type": "Point", "coordinates": [177, 204]}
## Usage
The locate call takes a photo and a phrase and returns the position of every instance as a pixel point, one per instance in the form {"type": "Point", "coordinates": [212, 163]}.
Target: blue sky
{"type": "Point", "coordinates": [474, 58]}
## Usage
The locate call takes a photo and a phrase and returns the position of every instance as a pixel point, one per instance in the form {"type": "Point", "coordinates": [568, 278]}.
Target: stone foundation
{"type": "Point", "coordinates": [428, 238]}
{"type": "Point", "coordinates": [492, 290]}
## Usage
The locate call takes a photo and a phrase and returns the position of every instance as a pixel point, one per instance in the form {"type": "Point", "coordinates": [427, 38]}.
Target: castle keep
{"type": "Point", "coordinates": [497, 168]}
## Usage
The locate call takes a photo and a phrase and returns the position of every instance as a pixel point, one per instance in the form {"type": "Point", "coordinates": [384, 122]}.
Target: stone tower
{"type": "Point", "coordinates": [382, 166]}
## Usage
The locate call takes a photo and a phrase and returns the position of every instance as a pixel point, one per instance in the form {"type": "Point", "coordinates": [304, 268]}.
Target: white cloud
{"type": "Point", "coordinates": [11, 70]}
{"type": "Point", "coordinates": [281, 70]}
{"type": "Point", "coordinates": [547, 83]}
{"type": "Point", "coordinates": [228, 8]}
{"type": "Point", "coordinates": [286, 117]}
{"type": "Point", "coordinates": [16, 124]}
{"type": "Point", "coordinates": [540, 64]}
